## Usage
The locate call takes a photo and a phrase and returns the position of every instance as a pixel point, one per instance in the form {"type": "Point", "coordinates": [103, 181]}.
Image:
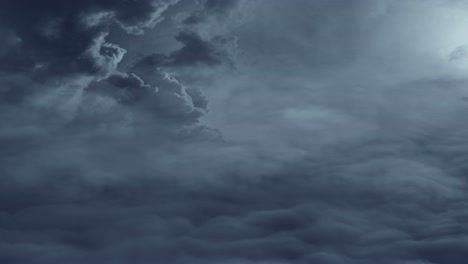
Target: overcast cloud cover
{"type": "Point", "coordinates": [233, 131]}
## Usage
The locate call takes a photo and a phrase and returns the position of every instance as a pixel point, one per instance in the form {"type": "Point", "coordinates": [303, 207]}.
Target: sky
{"type": "Point", "coordinates": [233, 131]}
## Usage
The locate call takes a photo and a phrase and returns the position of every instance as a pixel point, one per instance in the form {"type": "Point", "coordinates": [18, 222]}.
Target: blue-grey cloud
{"type": "Point", "coordinates": [339, 138]}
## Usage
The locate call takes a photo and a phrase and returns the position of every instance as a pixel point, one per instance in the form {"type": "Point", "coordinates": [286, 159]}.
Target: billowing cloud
{"type": "Point", "coordinates": [61, 38]}
{"type": "Point", "coordinates": [337, 137]}
{"type": "Point", "coordinates": [195, 51]}
{"type": "Point", "coordinates": [69, 42]}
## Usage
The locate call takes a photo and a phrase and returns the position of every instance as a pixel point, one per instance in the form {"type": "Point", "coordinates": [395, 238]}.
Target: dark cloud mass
{"type": "Point", "coordinates": [195, 51]}
{"type": "Point", "coordinates": [233, 132]}
{"type": "Point", "coordinates": [62, 37]}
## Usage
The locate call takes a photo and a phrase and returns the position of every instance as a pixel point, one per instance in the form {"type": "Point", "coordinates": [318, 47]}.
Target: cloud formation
{"type": "Point", "coordinates": [195, 51]}
{"type": "Point", "coordinates": [338, 138]}
{"type": "Point", "coordinates": [67, 37]}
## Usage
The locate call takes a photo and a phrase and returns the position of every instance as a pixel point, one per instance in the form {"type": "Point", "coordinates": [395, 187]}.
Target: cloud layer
{"type": "Point", "coordinates": [233, 132]}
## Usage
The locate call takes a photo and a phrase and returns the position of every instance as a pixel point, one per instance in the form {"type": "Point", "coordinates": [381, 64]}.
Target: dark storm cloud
{"type": "Point", "coordinates": [333, 150]}
{"type": "Point", "coordinates": [195, 51]}
{"type": "Point", "coordinates": [69, 41]}
{"type": "Point", "coordinates": [173, 101]}
{"type": "Point", "coordinates": [62, 38]}
{"type": "Point", "coordinates": [199, 47]}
